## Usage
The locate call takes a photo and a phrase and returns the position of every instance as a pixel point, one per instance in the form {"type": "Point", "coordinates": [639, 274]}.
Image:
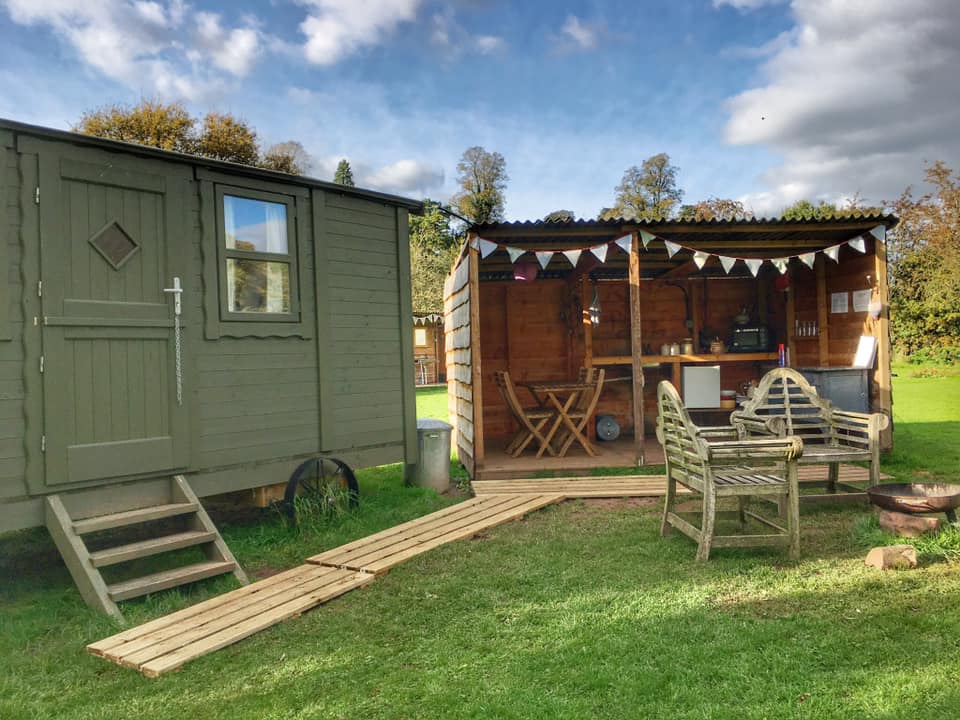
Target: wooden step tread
{"type": "Point", "coordinates": [167, 579]}
{"type": "Point", "coordinates": [132, 517]}
{"type": "Point", "coordinates": [153, 546]}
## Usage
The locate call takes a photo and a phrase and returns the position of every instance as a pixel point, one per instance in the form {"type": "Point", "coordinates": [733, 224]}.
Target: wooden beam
{"type": "Point", "coordinates": [683, 270]}
{"type": "Point", "coordinates": [476, 369]}
{"type": "Point", "coordinates": [586, 295]}
{"type": "Point", "coordinates": [636, 350]}
{"type": "Point", "coordinates": [882, 375]}
{"type": "Point", "coordinates": [823, 313]}
{"type": "Point", "coordinates": [696, 310]}
{"type": "Point", "coordinates": [791, 321]}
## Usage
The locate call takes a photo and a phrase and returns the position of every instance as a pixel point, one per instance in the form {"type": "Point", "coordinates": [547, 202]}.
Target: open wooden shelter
{"type": "Point", "coordinates": [542, 300]}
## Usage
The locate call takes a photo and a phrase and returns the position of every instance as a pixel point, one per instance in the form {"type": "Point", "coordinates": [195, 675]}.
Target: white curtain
{"type": "Point", "coordinates": [276, 228]}
{"type": "Point", "coordinates": [229, 225]}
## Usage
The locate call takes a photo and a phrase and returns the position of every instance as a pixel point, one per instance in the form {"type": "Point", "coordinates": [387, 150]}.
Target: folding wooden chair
{"type": "Point", "coordinates": [583, 409]}
{"type": "Point", "coordinates": [531, 420]}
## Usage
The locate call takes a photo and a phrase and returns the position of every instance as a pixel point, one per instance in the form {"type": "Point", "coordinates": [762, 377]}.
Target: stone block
{"type": "Point", "coordinates": [892, 557]}
{"type": "Point", "coordinates": [910, 526]}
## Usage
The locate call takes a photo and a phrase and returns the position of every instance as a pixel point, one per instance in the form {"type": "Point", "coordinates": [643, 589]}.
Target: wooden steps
{"type": "Point", "coordinates": [378, 553]}
{"type": "Point", "coordinates": [72, 535]}
{"type": "Point", "coordinates": [167, 643]}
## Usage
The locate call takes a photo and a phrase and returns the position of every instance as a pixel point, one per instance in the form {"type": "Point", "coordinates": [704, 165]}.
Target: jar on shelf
{"type": "Point", "coordinates": [686, 347]}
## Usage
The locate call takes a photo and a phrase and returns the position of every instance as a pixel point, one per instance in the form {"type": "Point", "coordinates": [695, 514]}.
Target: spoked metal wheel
{"type": "Point", "coordinates": [325, 482]}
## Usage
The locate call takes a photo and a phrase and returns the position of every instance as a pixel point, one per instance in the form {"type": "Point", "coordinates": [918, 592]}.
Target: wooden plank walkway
{"type": "Point", "coordinates": [578, 487]}
{"type": "Point", "coordinates": [378, 553]}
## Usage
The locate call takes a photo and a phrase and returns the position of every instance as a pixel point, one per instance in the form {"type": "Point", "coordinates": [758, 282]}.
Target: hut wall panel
{"type": "Point", "coordinates": [359, 230]}
{"type": "Point", "coordinates": [612, 335]}
{"type": "Point", "coordinates": [11, 349]}
{"type": "Point", "coordinates": [256, 398]}
{"type": "Point", "coordinates": [456, 311]}
{"type": "Point", "coordinates": [804, 288]}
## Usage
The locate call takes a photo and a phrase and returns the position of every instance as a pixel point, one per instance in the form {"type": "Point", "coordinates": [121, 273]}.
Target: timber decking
{"type": "Point", "coordinates": [578, 487]}
{"type": "Point", "coordinates": [168, 642]}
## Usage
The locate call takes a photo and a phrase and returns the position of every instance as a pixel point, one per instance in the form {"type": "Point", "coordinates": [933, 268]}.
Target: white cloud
{"type": "Point", "coordinates": [859, 99]}
{"type": "Point", "coordinates": [336, 29]}
{"type": "Point", "coordinates": [488, 44]}
{"type": "Point", "coordinates": [583, 35]}
{"type": "Point", "coordinates": [453, 40]}
{"type": "Point", "coordinates": [746, 4]}
{"type": "Point", "coordinates": [232, 50]}
{"type": "Point", "coordinates": [405, 177]}
{"type": "Point", "coordinates": [137, 43]}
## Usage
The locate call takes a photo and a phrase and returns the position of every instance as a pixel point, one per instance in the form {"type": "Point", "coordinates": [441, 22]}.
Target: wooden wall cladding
{"type": "Point", "coordinates": [456, 321]}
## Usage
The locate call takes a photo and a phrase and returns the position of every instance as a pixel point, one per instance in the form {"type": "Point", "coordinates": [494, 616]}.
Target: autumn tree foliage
{"type": "Point", "coordinates": [715, 209]}
{"type": "Point", "coordinates": [924, 255]}
{"type": "Point", "coordinates": [482, 177]}
{"type": "Point", "coordinates": [434, 245]}
{"type": "Point", "coordinates": [169, 126]}
{"type": "Point", "coordinates": [288, 157]}
{"type": "Point", "coordinates": [647, 192]}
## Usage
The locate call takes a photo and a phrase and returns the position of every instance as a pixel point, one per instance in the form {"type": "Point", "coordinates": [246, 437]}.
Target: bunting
{"type": "Point", "coordinates": [700, 257]}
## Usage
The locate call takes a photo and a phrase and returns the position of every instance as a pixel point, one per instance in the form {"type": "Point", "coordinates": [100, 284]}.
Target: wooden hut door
{"type": "Point", "coordinates": [111, 406]}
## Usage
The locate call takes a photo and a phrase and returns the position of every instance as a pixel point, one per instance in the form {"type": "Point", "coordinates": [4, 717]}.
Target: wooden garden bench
{"type": "Point", "coordinates": [716, 463]}
{"type": "Point", "coordinates": [831, 436]}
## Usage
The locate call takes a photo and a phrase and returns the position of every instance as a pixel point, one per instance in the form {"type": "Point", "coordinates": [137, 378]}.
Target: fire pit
{"type": "Point", "coordinates": [918, 498]}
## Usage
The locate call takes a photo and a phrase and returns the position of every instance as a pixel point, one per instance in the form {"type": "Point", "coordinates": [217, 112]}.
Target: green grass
{"type": "Point", "coordinates": [579, 611]}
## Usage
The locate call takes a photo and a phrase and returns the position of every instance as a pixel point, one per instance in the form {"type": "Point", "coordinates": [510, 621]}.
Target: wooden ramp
{"type": "Point", "coordinates": [578, 487]}
{"type": "Point", "coordinates": [378, 553]}
{"type": "Point", "coordinates": [166, 643]}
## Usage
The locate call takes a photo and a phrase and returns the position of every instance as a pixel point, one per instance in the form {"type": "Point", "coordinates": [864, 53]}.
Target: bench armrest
{"type": "Point", "coordinates": [770, 449]}
{"type": "Point", "coordinates": [748, 424]}
{"type": "Point", "coordinates": [858, 429]}
{"type": "Point", "coordinates": [718, 432]}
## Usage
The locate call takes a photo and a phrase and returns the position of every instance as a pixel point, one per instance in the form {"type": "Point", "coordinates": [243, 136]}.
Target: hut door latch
{"type": "Point", "coordinates": [177, 291]}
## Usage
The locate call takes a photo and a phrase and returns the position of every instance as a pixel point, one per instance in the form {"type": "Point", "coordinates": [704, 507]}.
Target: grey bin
{"type": "Point", "coordinates": [433, 468]}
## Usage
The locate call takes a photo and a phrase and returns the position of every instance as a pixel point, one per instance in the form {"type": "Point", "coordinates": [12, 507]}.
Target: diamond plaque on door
{"type": "Point", "coordinates": [114, 244]}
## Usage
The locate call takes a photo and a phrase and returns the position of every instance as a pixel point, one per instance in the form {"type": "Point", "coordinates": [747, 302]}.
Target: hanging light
{"type": "Point", "coordinates": [595, 307]}
{"type": "Point", "coordinates": [525, 270]}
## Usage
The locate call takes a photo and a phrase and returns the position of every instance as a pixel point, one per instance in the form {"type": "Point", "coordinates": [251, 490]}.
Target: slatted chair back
{"type": "Point", "coordinates": [587, 400]}
{"type": "Point", "coordinates": [683, 451]}
{"type": "Point", "coordinates": [501, 379]}
{"type": "Point", "coordinates": [787, 394]}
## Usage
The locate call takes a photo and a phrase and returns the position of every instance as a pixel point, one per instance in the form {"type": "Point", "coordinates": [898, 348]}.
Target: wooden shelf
{"type": "Point", "coordinates": [690, 359]}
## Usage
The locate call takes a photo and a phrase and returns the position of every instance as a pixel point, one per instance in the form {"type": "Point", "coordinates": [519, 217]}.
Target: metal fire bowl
{"type": "Point", "coordinates": [917, 497]}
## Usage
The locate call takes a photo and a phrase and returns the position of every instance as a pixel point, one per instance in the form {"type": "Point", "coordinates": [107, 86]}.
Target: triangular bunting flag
{"type": "Point", "coordinates": [754, 265]}
{"type": "Point", "coordinates": [625, 242]}
{"type": "Point", "coordinates": [475, 243]}
{"type": "Point", "coordinates": [486, 247]}
{"type": "Point", "coordinates": [600, 251]}
{"type": "Point", "coordinates": [833, 253]}
{"type": "Point", "coordinates": [727, 262]}
{"type": "Point", "coordinates": [880, 233]}
{"type": "Point", "coordinates": [808, 259]}
{"type": "Point", "coordinates": [857, 244]}
{"type": "Point", "coordinates": [646, 238]}
{"type": "Point", "coordinates": [781, 264]}
{"type": "Point", "coordinates": [544, 257]}
{"type": "Point", "coordinates": [573, 256]}
{"type": "Point", "coordinates": [514, 252]}
{"type": "Point", "coordinates": [672, 248]}
{"type": "Point", "coordinates": [700, 258]}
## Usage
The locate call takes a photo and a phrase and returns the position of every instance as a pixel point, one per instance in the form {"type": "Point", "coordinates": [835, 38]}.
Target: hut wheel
{"type": "Point", "coordinates": [326, 481]}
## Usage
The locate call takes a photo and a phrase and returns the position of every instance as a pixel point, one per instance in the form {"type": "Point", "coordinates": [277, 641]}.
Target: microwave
{"type": "Point", "coordinates": [750, 338]}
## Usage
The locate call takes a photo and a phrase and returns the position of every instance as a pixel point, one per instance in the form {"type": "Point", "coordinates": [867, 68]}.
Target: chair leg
{"type": "Point", "coordinates": [668, 504]}
{"type": "Point", "coordinates": [793, 511]}
{"type": "Point", "coordinates": [742, 510]}
{"type": "Point", "coordinates": [706, 528]}
{"type": "Point", "coordinates": [875, 468]}
{"type": "Point", "coordinates": [833, 476]}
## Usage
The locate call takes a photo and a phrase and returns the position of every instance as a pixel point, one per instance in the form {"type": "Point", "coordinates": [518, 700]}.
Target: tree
{"type": "Point", "coordinates": [149, 122]}
{"type": "Point", "coordinates": [715, 209]}
{"type": "Point", "coordinates": [482, 177]}
{"type": "Point", "coordinates": [225, 137]}
{"type": "Point", "coordinates": [169, 126]}
{"type": "Point", "coordinates": [560, 216]}
{"type": "Point", "coordinates": [806, 210]}
{"type": "Point", "coordinates": [924, 254]}
{"type": "Point", "coordinates": [289, 157]}
{"type": "Point", "coordinates": [433, 249]}
{"type": "Point", "coordinates": [648, 192]}
{"type": "Point", "coordinates": [344, 174]}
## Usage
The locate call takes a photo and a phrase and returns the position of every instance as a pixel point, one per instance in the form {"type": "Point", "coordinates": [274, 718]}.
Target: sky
{"type": "Point", "coordinates": [765, 101]}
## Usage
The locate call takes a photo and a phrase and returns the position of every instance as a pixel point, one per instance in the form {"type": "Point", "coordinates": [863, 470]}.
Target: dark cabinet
{"type": "Point", "coordinates": [845, 388]}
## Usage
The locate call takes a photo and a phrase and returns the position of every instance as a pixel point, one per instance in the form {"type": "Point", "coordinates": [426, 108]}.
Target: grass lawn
{"type": "Point", "coordinates": [579, 611]}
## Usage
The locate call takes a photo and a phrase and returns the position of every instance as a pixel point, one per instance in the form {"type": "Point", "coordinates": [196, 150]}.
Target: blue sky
{"type": "Point", "coordinates": [766, 101]}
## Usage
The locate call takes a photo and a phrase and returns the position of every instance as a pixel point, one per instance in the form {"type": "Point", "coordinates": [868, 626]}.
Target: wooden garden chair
{"type": "Point", "coordinates": [583, 409]}
{"type": "Point", "coordinates": [831, 436]}
{"type": "Point", "coordinates": [531, 420]}
{"type": "Point", "coordinates": [716, 464]}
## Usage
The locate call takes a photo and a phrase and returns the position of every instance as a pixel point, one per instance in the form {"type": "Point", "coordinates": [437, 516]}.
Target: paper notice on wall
{"type": "Point", "coordinates": [839, 302]}
{"type": "Point", "coordinates": [861, 300]}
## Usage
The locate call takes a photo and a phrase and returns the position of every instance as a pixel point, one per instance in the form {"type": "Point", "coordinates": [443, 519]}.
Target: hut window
{"type": "Point", "coordinates": [420, 337]}
{"type": "Point", "coordinates": [257, 245]}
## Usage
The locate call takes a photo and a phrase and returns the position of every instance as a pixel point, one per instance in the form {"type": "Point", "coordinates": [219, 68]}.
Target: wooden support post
{"type": "Point", "coordinates": [586, 295]}
{"type": "Point", "coordinates": [475, 364]}
{"type": "Point", "coordinates": [791, 322]}
{"type": "Point", "coordinates": [823, 313]}
{"type": "Point", "coordinates": [636, 350]}
{"type": "Point", "coordinates": [882, 375]}
{"type": "Point", "coordinates": [696, 310]}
